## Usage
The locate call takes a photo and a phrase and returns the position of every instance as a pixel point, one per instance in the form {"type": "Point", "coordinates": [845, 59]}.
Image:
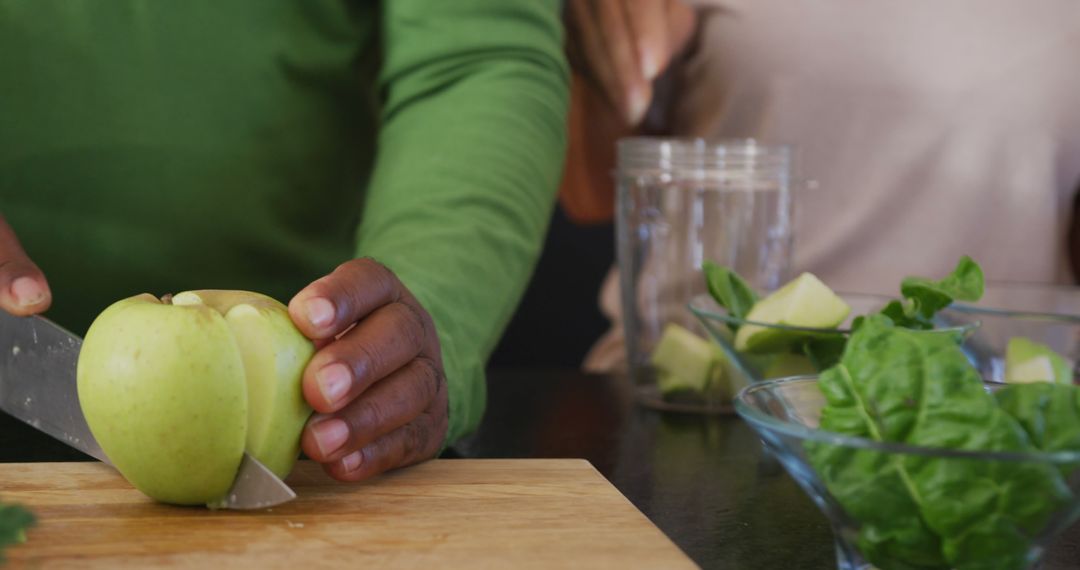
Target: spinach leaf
{"type": "Point", "coordinates": [875, 488]}
{"type": "Point", "coordinates": [872, 489]}
{"type": "Point", "coordinates": [923, 298]}
{"type": "Point", "coordinates": [1049, 413]}
{"type": "Point", "coordinates": [729, 290]}
{"type": "Point", "coordinates": [987, 512]}
{"type": "Point", "coordinates": [14, 520]}
{"type": "Point", "coordinates": [917, 387]}
{"type": "Point", "coordinates": [928, 297]}
{"type": "Point", "coordinates": [904, 314]}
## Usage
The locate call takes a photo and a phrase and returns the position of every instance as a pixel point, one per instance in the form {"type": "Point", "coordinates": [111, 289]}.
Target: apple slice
{"type": "Point", "coordinates": [685, 362]}
{"type": "Point", "coordinates": [274, 353]}
{"type": "Point", "coordinates": [1027, 361]}
{"type": "Point", "coordinates": [803, 302]}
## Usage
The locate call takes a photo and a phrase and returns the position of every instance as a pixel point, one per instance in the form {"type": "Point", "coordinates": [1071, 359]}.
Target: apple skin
{"type": "Point", "coordinates": [176, 392]}
{"type": "Point", "coordinates": [163, 391]}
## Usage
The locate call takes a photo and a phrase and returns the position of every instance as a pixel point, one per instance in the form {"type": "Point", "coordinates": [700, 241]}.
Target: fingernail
{"type": "Point", "coordinates": [637, 106]}
{"type": "Point", "coordinates": [334, 380]}
{"type": "Point", "coordinates": [351, 461]}
{"type": "Point", "coordinates": [320, 312]}
{"type": "Point", "coordinates": [27, 291]}
{"type": "Point", "coordinates": [330, 435]}
{"type": "Point", "coordinates": [649, 66]}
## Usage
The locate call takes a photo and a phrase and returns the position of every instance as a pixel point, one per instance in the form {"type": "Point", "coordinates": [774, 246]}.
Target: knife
{"type": "Point", "coordinates": [38, 386]}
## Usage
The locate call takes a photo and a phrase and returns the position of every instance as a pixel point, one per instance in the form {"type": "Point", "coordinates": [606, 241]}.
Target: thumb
{"type": "Point", "coordinates": [23, 289]}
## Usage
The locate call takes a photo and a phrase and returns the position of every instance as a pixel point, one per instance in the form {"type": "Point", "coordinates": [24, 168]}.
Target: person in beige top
{"type": "Point", "coordinates": [932, 129]}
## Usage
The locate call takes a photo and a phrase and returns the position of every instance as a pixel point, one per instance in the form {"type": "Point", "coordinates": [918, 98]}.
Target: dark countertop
{"type": "Point", "coordinates": [705, 481]}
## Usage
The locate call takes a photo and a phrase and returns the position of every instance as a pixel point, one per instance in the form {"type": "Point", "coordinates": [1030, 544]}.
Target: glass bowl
{"type": "Point", "coordinates": [1028, 298]}
{"type": "Point", "coordinates": [985, 510]}
{"type": "Point", "coordinates": [742, 369]}
{"type": "Point", "coordinates": [1046, 314]}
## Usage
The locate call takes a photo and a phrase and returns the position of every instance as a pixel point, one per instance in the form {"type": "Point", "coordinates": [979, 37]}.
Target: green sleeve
{"type": "Point", "coordinates": [474, 96]}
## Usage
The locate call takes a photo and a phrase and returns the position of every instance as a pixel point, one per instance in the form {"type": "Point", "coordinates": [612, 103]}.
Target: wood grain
{"type": "Point", "coordinates": [514, 513]}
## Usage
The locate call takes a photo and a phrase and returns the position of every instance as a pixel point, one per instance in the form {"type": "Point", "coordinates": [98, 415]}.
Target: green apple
{"type": "Point", "coordinates": [1028, 361]}
{"type": "Point", "coordinates": [685, 362]}
{"type": "Point", "coordinates": [803, 302]}
{"type": "Point", "coordinates": [176, 390]}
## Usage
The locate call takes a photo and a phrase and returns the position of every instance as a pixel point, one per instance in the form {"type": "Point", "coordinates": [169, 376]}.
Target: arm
{"type": "Point", "coordinates": [621, 46]}
{"type": "Point", "coordinates": [468, 162]}
{"type": "Point", "coordinates": [469, 155]}
{"type": "Point", "coordinates": [618, 50]}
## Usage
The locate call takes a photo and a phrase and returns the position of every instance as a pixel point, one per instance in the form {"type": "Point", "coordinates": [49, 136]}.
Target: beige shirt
{"type": "Point", "coordinates": [933, 129]}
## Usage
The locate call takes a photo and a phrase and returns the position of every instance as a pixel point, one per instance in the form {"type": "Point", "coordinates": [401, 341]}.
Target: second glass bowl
{"type": "Point", "coordinates": [1012, 504]}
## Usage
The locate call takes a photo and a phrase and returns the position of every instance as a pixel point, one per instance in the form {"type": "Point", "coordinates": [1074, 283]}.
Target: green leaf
{"type": "Point", "coordinates": [917, 387]}
{"type": "Point", "coordinates": [903, 314]}
{"type": "Point", "coordinates": [14, 520]}
{"type": "Point", "coordinates": [1049, 413]}
{"type": "Point", "coordinates": [871, 487]}
{"type": "Point", "coordinates": [928, 297]}
{"type": "Point", "coordinates": [729, 290]}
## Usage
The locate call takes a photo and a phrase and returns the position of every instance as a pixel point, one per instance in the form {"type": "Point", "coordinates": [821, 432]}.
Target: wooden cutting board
{"type": "Point", "coordinates": [462, 513]}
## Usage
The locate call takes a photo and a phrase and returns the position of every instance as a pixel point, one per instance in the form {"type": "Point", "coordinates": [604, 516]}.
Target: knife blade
{"type": "Point", "coordinates": [37, 380]}
{"type": "Point", "coordinates": [38, 361]}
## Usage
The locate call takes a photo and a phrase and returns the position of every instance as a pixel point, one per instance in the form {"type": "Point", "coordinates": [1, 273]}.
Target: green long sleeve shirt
{"type": "Point", "coordinates": [157, 146]}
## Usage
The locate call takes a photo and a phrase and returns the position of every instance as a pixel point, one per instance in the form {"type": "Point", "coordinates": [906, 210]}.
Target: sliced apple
{"type": "Point", "coordinates": [175, 392]}
{"type": "Point", "coordinates": [803, 302]}
{"type": "Point", "coordinates": [274, 353]}
{"type": "Point", "coordinates": [1027, 361]}
{"type": "Point", "coordinates": [164, 393]}
{"type": "Point", "coordinates": [685, 362]}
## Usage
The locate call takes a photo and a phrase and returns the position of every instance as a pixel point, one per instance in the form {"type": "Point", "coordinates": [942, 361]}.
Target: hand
{"type": "Point", "coordinates": [377, 381]}
{"type": "Point", "coordinates": [23, 289]}
{"type": "Point", "coordinates": [623, 45]}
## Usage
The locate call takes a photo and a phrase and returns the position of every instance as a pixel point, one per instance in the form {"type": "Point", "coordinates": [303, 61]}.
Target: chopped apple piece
{"type": "Point", "coordinates": [1027, 361]}
{"type": "Point", "coordinates": [686, 362]}
{"type": "Point", "coordinates": [804, 302]}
